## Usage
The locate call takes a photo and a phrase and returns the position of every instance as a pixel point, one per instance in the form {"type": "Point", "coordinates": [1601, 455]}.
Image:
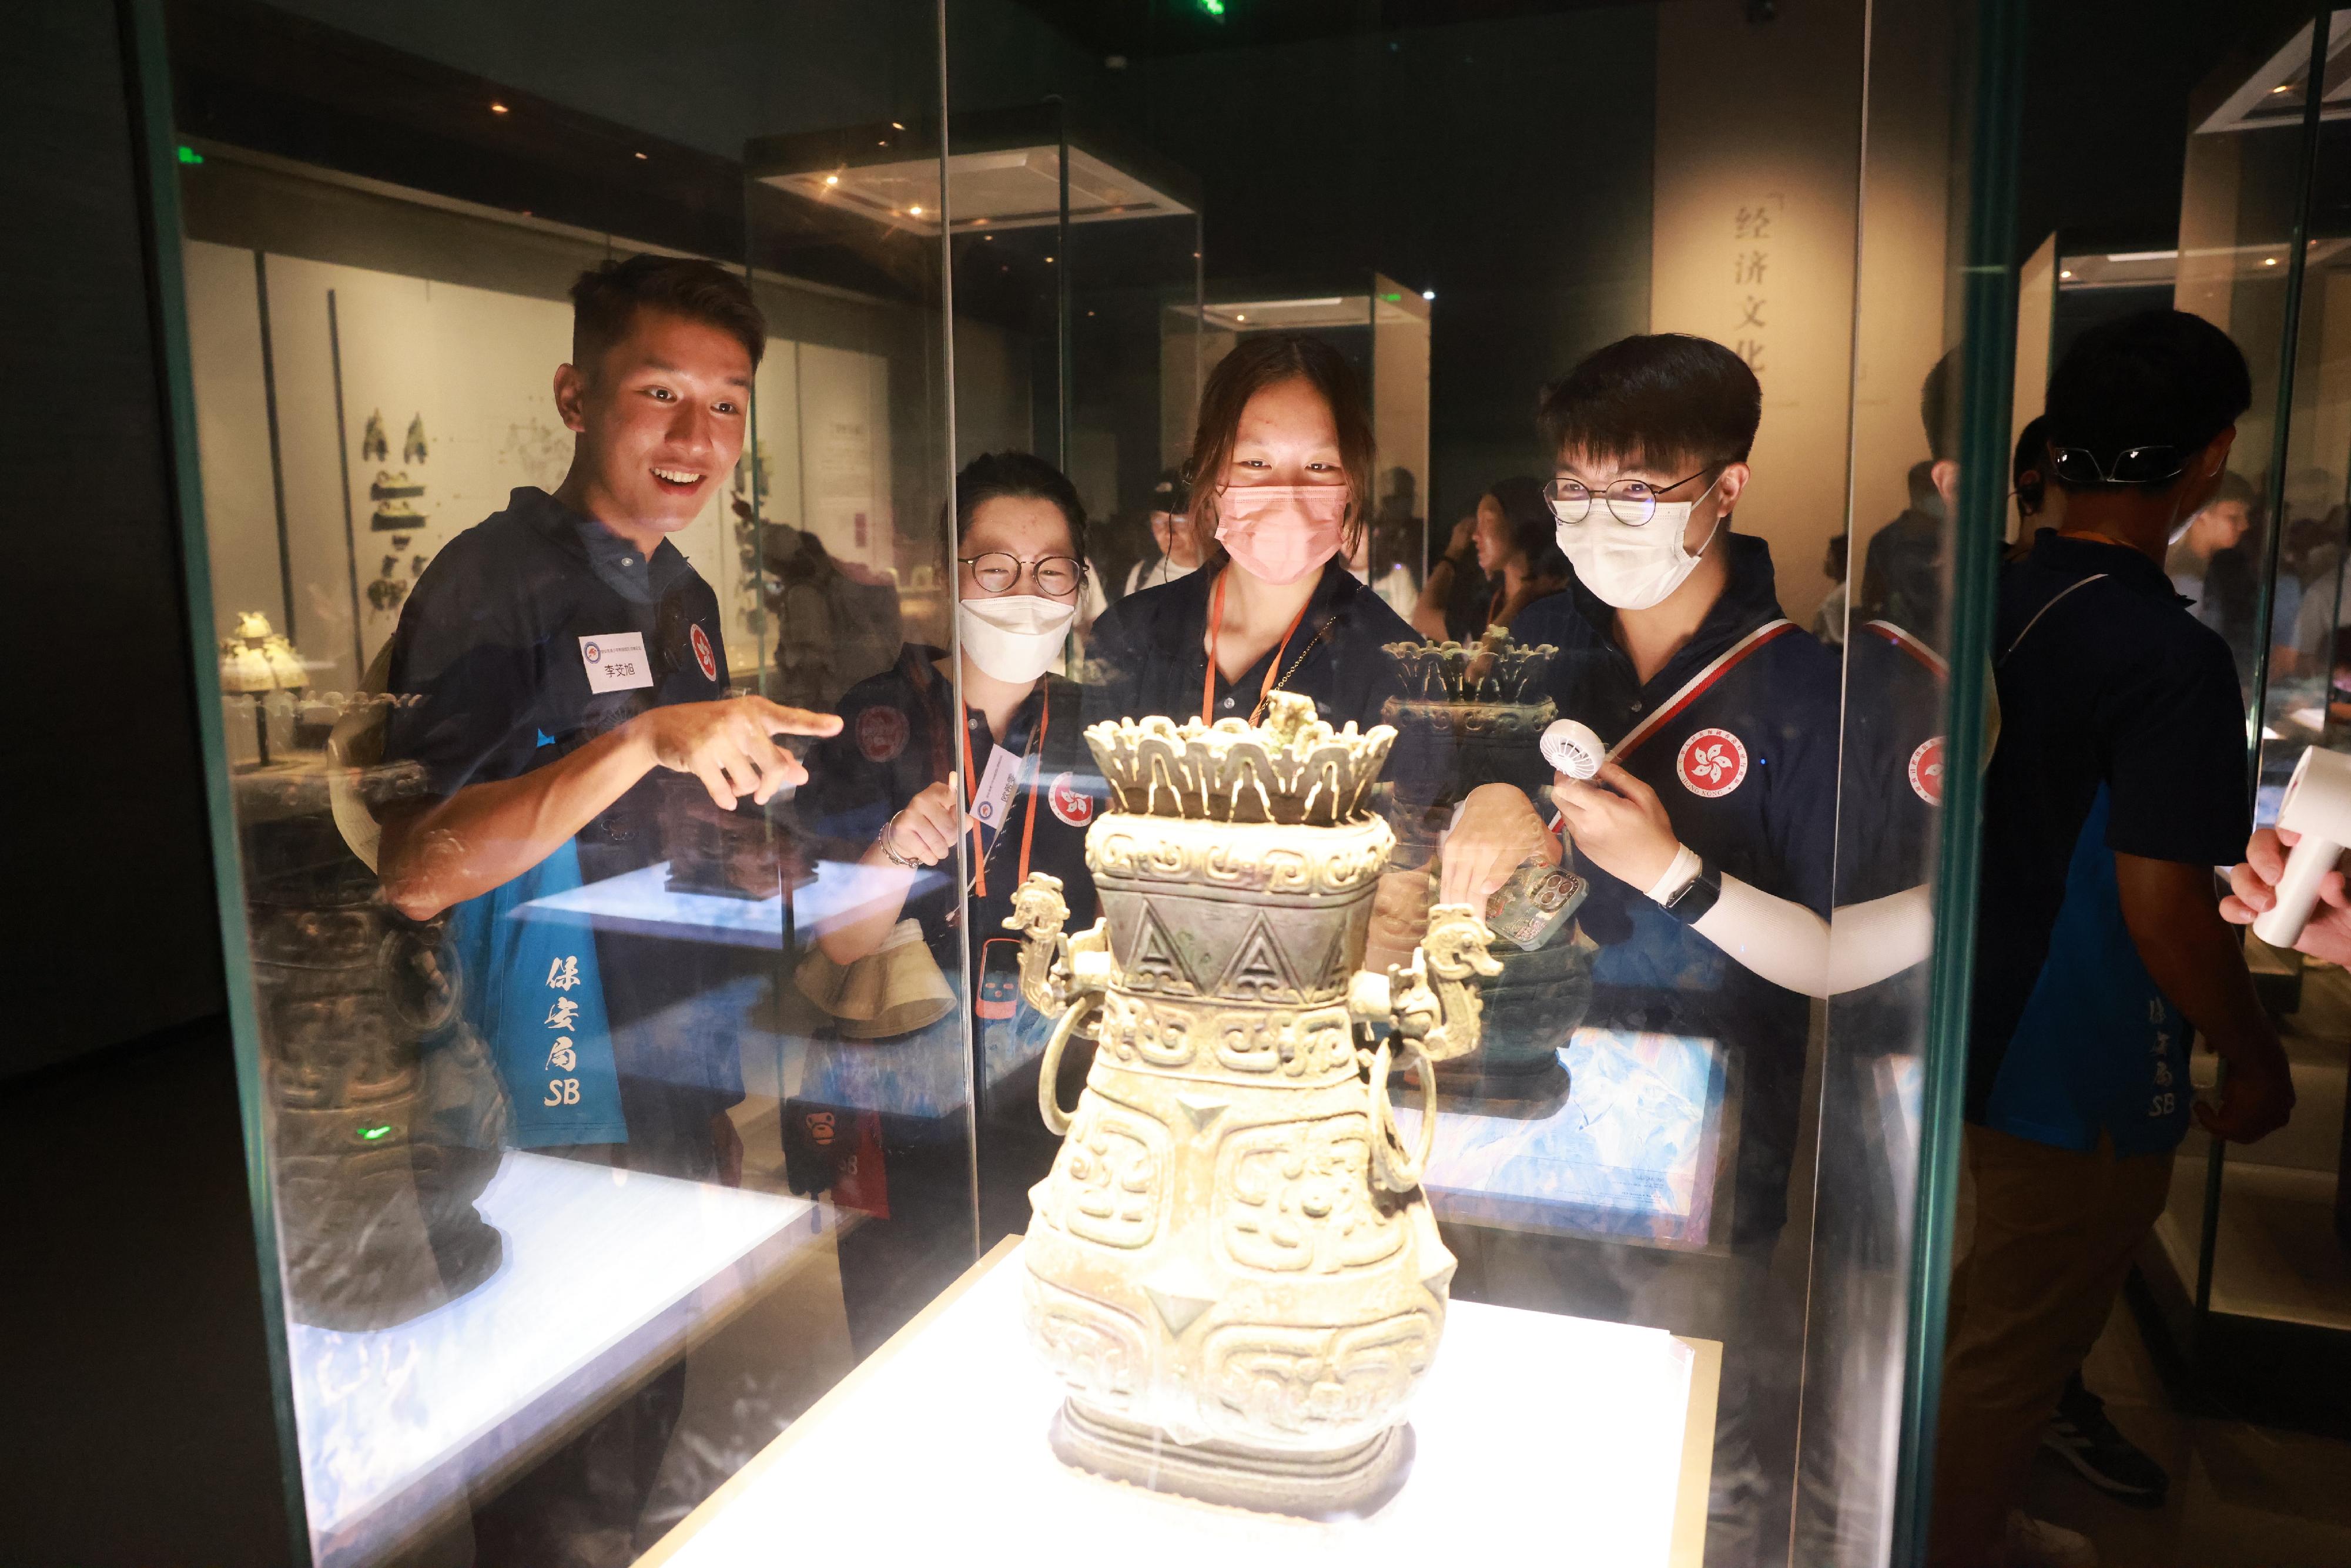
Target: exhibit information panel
{"type": "Point", "coordinates": [986, 763]}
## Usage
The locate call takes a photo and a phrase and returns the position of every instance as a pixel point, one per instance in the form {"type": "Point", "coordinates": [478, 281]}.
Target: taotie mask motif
{"type": "Point", "coordinates": [1015, 637]}
{"type": "Point", "coordinates": [1633, 566]}
{"type": "Point", "coordinates": [1278, 533]}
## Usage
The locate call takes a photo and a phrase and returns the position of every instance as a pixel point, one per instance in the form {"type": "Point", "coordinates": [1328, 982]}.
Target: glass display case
{"type": "Point", "coordinates": [2251, 1267]}
{"type": "Point", "coordinates": [787, 951]}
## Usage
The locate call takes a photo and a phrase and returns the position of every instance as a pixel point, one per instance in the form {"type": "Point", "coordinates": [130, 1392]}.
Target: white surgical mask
{"type": "Point", "coordinates": [1015, 637]}
{"type": "Point", "coordinates": [1634, 566]}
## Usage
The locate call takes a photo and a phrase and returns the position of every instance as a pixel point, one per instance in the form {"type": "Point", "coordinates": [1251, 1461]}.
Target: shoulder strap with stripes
{"type": "Point", "coordinates": [1697, 685]}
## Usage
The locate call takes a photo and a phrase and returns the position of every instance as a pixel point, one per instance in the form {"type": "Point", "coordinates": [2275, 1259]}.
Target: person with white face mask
{"type": "Point", "coordinates": [1281, 464]}
{"type": "Point", "coordinates": [1720, 720]}
{"type": "Point", "coordinates": [902, 783]}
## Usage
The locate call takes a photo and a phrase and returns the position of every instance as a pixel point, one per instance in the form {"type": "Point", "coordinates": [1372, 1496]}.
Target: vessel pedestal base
{"type": "Point", "coordinates": [1355, 1480]}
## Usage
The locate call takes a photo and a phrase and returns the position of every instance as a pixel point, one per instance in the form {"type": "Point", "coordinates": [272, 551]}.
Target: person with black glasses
{"type": "Point", "coordinates": [2117, 785]}
{"type": "Point", "coordinates": [897, 787]}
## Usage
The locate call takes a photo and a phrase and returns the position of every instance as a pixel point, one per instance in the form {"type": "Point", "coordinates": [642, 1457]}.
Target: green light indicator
{"type": "Point", "coordinates": [1213, 8]}
{"type": "Point", "coordinates": [1392, 299]}
{"type": "Point", "coordinates": [370, 1134]}
{"type": "Point", "coordinates": [190, 156]}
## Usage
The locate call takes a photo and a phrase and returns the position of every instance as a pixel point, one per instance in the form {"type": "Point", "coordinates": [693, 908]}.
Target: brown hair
{"type": "Point", "coordinates": [1267, 360]}
{"type": "Point", "coordinates": [605, 301]}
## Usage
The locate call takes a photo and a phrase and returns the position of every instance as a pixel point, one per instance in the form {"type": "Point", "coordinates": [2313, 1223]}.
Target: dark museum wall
{"type": "Point", "coordinates": [140, 1429]}
{"type": "Point", "coordinates": [105, 805]}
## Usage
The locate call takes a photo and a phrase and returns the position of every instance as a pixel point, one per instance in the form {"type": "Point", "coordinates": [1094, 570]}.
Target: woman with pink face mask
{"type": "Point", "coordinates": [1282, 467]}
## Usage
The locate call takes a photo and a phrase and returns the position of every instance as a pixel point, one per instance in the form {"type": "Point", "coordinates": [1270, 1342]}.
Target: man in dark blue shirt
{"type": "Point", "coordinates": [557, 656]}
{"type": "Point", "coordinates": [2118, 785]}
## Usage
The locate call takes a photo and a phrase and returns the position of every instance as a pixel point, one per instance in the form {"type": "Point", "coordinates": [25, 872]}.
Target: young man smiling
{"type": "Point", "coordinates": [556, 655]}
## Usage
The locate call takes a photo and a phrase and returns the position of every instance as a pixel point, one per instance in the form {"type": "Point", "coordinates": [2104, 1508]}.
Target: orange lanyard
{"type": "Point", "coordinates": [1216, 626]}
{"type": "Point", "coordinates": [971, 793]}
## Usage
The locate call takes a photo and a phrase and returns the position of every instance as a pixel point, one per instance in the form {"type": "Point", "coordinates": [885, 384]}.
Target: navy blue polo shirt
{"type": "Point", "coordinates": [492, 653]}
{"type": "Point", "coordinates": [1148, 655]}
{"type": "Point", "coordinates": [896, 740]}
{"type": "Point", "coordinates": [1892, 765]}
{"type": "Point", "coordinates": [1748, 773]}
{"type": "Point", "coordinates": [2121, 732]}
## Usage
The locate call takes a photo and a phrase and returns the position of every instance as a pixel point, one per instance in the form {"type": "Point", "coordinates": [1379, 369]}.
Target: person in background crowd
{"type": "Point", "coordinates": [1902, 570]}
{"type": "Point", "coordinates": [1517, 549]}
{"type": "Point", "coordinates": [1828, 622]}
{"type": "Point", "coordinates": [2208, 567]}
{"type": "Point", "coordinates": [1175, 552]}
{"type": "Point", "coordinates": [836, 621]}
{"type": "Point", "coordinates": [2118, 783]}
{"type": "Point", "coordinates": [1455, 592]}
{"type": "Point", "coordinates": [2319, 551]}
{"type": "Point", "coordinates": [1503, 557]}
{"type": "Point", "coordinates": [1280, 461]}
{"type": "Point", "coordinates": [1394, 545]}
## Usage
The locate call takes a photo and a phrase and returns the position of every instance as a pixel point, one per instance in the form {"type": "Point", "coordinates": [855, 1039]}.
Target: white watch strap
{"type": "Point", "coordinates": [1686, 865]}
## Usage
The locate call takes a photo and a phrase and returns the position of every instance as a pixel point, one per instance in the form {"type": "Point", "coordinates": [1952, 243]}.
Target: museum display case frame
{"type": "Point", "coordinates": [1975, 266]}
{"type": "Point", "coordinates": [2245, 1277]}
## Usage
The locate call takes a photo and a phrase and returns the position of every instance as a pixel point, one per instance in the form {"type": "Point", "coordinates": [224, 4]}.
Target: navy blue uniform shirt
{"type": "Point", "coordinates": [1748, 773]}
{"type": "Point", "coordinates": [896, 740]}
{"type": "Point", "coordinates": [490, 651]}
{"type": "Point", "coordinates": [2120, 715]}
{"type": "Point", "coordinates": [1148, 655]}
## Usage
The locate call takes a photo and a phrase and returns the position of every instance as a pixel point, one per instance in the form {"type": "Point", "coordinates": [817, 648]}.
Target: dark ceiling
{"type": "Point", "coordinates": [1143, 30]}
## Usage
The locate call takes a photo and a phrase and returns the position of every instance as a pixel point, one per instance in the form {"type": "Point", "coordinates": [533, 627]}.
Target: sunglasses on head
{"type": "Point", "coordinates": [2131, 465]}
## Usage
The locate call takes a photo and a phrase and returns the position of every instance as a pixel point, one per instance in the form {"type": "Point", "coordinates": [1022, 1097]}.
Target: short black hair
{"type": "Point", "coordinates": [606, 298]}
{"type": "Point", "coordinates": [1659, 400]}
{"type": "Point", "coordinates": [2154, 378]}
{"type": "Point", "coordinates": [993, 476]}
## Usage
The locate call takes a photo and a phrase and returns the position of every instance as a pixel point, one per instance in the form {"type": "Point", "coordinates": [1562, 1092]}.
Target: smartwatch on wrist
{"type": "Point", "coordinates": [1690, 903]}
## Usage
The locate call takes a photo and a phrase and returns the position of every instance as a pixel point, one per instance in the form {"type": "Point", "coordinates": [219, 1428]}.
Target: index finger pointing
{"type": "Point", "coordinates": [778, 719]}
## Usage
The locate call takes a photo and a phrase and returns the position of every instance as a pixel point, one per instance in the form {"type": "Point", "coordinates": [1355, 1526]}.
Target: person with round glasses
{"type": "Point", "coordinates": [903, 782]}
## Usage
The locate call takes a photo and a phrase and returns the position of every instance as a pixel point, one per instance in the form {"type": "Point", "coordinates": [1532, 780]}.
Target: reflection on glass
{"type": "Point", "coordinates": [668, 549]}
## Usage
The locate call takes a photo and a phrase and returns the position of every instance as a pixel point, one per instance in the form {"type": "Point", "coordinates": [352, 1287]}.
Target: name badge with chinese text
{"type": "Point", "coordinates": [616, 662]}
{"type": "Point", "coordinates": [995, 782]}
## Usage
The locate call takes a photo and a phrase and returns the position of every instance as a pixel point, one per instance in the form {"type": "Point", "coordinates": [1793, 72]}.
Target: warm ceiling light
{"type": "Point", "coordinates": [895, 126]}
{"type": "Point", "coordinates": [498, 108]}
{"type": "Point", "coordinates": [2065, 273]}
{"type": "Point", "coordinates": [2269, 261]}
{"type": "Point", "coordinates": [915, 211]}
{"type": "Point", "coordinates": [2283, 87]}
{"type": "Point", "coordinates": [1239, 317]}
{"type": "Point", "coordinates": [1428, 294]}
{"type": "Point", "coordinates": [1049, 261]}
{"type": "Point", "coordinates": [832, 179]}
{"type": "Point", "coordinates": [641, 158]}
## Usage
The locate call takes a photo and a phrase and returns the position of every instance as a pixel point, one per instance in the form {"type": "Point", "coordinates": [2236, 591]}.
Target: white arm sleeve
{"type": "Point", "coordinates": [1788, 945]}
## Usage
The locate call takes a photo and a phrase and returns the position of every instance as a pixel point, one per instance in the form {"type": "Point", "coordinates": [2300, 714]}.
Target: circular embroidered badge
{"type": "Point", "coordinates": [1070, 803]}
{"type": "Point", "coordinates": [702, 654]}
{"type": "Point", "coordinates": [881, 733]}
{"type": "Point", "coordinates": [1926, 770]}
{"type": "Point", "coordinates": [1713, 763]}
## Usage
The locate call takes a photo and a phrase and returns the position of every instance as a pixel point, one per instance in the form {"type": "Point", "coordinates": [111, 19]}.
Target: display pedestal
{"type": "Point", "coordinates": [1534, 1434]}
{"type": "Point", "coordinates": [606, 1274]}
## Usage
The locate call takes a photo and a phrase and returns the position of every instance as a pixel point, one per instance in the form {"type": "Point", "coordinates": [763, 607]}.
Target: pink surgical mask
{"type": "Point", "coordinates": [1278, 533]}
